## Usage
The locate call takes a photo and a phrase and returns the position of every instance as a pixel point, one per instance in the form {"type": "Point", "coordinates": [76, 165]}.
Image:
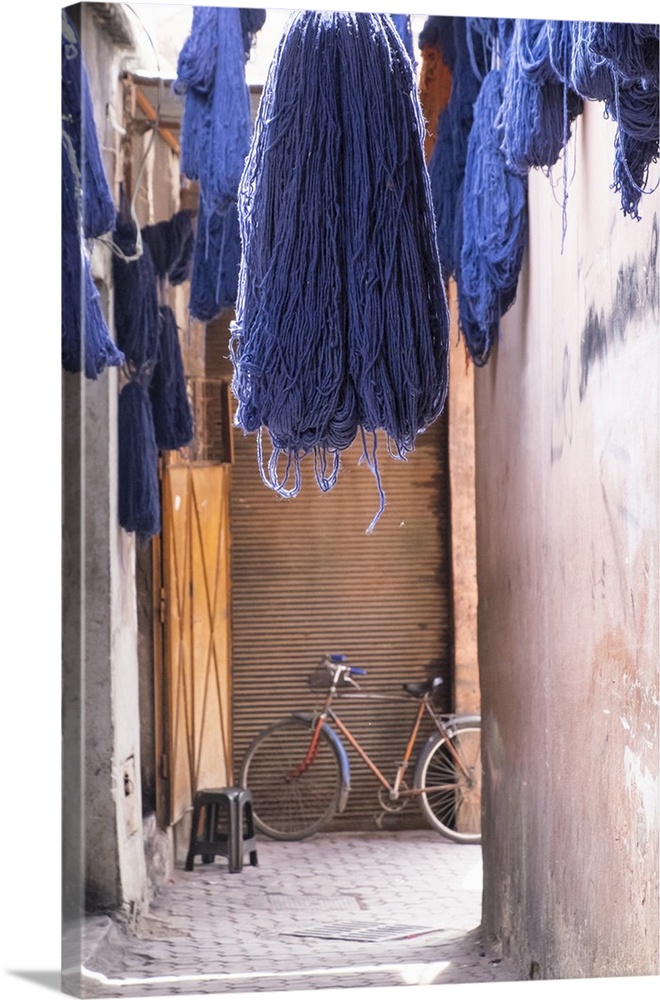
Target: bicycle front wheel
{"type": "Point", "coordinates": [449, 774]}
{"type": "Point", "coordinates": [291, 801]}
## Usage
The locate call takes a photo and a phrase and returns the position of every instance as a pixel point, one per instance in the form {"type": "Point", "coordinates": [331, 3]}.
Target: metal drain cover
{"type": "Point", "coordinates": [363, 930]}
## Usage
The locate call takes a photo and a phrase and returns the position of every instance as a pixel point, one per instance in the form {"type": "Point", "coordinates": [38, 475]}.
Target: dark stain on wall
{"type": "Point", "coordinates": [594, 345]}
{"type": "Point", "coordinates": [636, 294]}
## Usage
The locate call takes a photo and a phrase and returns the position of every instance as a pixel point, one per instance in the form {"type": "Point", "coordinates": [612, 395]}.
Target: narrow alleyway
{"type": "Point", "coordinates": [339, 910]}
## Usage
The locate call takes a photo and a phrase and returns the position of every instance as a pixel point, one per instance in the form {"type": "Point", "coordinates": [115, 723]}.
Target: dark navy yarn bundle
{"type": "Point", "coordinates": [138, 489]}
{"type": "Point", "coordinates": [494, 227]}
{"type": "Point", "coordinates": [402, 24]}
{"type": "Point", "coordinates": [98, 207]}
{"type": "Point", "coordinates": [521, 119]}
{"type": "Point", "coordinates": [447, 163]}
{"type": "Point", "coordinates": [136, 309]}
{"type": "Point", "coordinates": [538, 105]}
{"type": "Point", "coordinates": [341, 320]}
{"type": "Point", "coordinates": [170, 245]}
{"type": "Point", "coordinates": [215, 128]}
{"type": "Point", "coordinates": [154, 411]}
{"type": "Point", "coordinates": [172, 416]}
{"type": "Point", "coordinates": [438, 31]}
{"type": "Point", "coordinates": [137, 328]}
{"type": "Point", "coordinates": [216, 259]}
{"type": "Point", "coordinates": [215, 137]}
{"type": "Point", "coordinates": [252, 21]}
{"type": "Point", "coordinates": [553, 66]}
{"type": "Point", "coordinates": [88, 211]}
{"type": "Point", "coordinates": [618, 65]}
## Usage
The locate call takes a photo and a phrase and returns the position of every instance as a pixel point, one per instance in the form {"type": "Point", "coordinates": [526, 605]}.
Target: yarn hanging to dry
{"type": "Point", "coordinates": [341, 320]}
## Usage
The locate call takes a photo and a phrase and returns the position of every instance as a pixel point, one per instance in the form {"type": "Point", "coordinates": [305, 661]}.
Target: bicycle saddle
{"type": "Point", "coordinates": [419, 690]}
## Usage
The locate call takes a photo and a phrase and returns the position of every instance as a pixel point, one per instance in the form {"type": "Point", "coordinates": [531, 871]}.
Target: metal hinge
{"type": "Point", "coordinates": [162, 605]}
{"type": "Point", "coordinates": [164, 770]}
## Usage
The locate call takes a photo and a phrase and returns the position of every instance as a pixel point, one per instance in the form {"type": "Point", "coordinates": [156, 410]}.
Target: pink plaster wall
{"type": "Point", "coordinates": [567, 564]}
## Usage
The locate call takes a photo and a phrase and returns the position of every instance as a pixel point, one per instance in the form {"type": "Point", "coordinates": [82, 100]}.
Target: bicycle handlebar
{"type": "Point", "coordinates": [339, 659]}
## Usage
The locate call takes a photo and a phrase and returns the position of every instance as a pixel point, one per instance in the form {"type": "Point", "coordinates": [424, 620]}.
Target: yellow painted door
{"type": "Point", "coordinates": [196, 644]}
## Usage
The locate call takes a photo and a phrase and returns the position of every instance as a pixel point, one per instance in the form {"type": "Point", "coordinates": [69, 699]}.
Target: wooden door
{"type": "Point", "coordinates": [195, 554]}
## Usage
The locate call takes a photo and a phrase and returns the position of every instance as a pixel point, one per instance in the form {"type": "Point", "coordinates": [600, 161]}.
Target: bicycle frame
{"type": "Point", "coordinates": [395, 790]}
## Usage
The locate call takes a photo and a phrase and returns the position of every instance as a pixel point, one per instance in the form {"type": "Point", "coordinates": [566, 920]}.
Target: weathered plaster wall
{"type": "Point", "coordinates": [103, 864]}
{"type": "Point", "coordinates": [567, 542]}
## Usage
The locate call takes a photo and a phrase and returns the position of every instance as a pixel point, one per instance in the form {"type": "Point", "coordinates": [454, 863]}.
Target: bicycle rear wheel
{"type": "Point", "coordinates": [451, 783]}
{"type": "Point", "coordinates": [288, 805]}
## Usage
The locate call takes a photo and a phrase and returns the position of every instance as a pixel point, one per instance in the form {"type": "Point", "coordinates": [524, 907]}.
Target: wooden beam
{"type": "Point", "coordinates": [150, 112]}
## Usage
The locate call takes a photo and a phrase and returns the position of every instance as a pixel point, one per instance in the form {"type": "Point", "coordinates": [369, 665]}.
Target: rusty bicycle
{"type": "Point", "coordinates": [298, 771]}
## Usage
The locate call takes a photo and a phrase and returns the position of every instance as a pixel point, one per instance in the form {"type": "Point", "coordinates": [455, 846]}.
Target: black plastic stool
{"type": "Point", "coordinates": [238, 834]}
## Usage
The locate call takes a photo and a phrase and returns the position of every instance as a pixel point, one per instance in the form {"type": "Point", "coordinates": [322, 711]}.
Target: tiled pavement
{"type": "Point", "coordinates": [210, 931]}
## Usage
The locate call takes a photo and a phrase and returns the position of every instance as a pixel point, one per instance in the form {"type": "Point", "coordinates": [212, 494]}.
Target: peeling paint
{"type": "Point", "coordinates": [640, 780]}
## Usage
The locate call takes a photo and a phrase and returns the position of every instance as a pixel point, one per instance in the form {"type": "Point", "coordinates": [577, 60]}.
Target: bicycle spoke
{"type": "Point", "coordinates": [294, 791]}
{"type": "Point", "coordinates": [449, 775]}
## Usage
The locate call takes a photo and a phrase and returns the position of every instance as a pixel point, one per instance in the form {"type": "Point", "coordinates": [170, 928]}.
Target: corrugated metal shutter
{"type": "Point", "coordinates": [307, 579]}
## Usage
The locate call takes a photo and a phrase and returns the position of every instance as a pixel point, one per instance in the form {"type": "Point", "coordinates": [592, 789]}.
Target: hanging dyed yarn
{"type": "Point", "coordinates": [494, 232]}
{"type": "Point", "coordinates": [216, 259]}
{"type": "Point", "coordinates": [434, 82]}
{"type": "Point", "coordinates": [438, 31]}
{"type": "Point", "coordinates": [538, 106]}
{"type": "Point", "coordinates": [136, 309]}
{"type": "Point", "coordinates": [252, 21]}
{"type": "Point", "coordinates": [402, 24]}
{"type": "Point", "coordinates": [170, 245]}
{"type": "Point", "coordinates": [215, 138]}
{"type": "Point", "coordinates": [172, 416]}
{"type": "Point", "coordinates": [138, 490]}
{"type": "Point", "coordinates": [215, 127]}
{"type": "Point", "coordinates": [447, 163]}
{"type": "Point", "coordinates": [618, 64]}
{"type": "Point", "coordinates": [341, 320]}
{"type": "Point", "coordinates": [87, 211]}
{"type": "Point", "coordinates": [98, 207]}
{"type": "Point", "coordinates": [137, 327]}
{"type": "Point", "coordinates": [590, 75]}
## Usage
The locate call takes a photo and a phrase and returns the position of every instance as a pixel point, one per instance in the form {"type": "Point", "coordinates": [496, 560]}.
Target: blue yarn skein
{"type": "Point", "coordinates": [87, 211]}
{"type": "Point", "coordinates": [538, 107]}
{"type": "Point", "coordinates": [288, 338]}
{"type": "Point", "coordinates": [86, 342]}
{"type": "Point", "coordinates": [341, 321]}
{"type": "Point", "coordinates": [632, 51]}
{"type": "Point", "coordinates": [447, 162]}
{"type": "Point", "coordinates": [215, 140]}
{"type": "Point", "coordinates": [196, 68]}
{"type": "Point", "coordinates": [231, 121]}
{"type": "Point", "coordinates": [98, 207]}
{"type": "Point", "coordinates": [171, 246]}
{"type": "Point", "coordinates": [216, 259]}
{"type": "Point", "coordinates": [494, 227]}
{"type": "Point", "coordinates": [136, 308]}
{"type": "Point", "coordinates": [172, 416]}
{"type": "Point", "coordinates": [252, 21]}
{"type": "Point", "coordinates": [396, 304]}
{"type": "Point", "coordinates": [216, 122]}
{"type": "Point", "coordinates": [438, 32]}
{"type": "Point", "coordinates": [618, 65]}
{"type": "Point", "coordinates": [138, 489]}
{"type": "Point", "coordinates": [137, 325]}
{"type": "Point", "coordinates": [403, 26]}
